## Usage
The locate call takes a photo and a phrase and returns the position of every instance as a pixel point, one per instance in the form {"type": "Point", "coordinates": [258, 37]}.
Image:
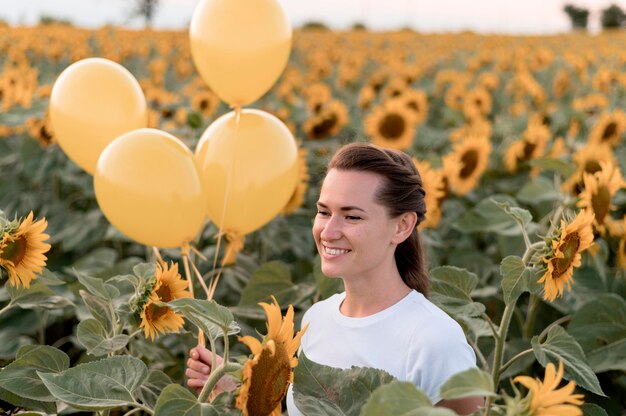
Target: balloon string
{"type": "Point", "coordinates": [184, 251]}
{"type": "Point", "coordinates": [158, 255]}
{"type": "Point", "coordinates": [231, 170]}
{"type": "Point", "coordinates": [199, 276]}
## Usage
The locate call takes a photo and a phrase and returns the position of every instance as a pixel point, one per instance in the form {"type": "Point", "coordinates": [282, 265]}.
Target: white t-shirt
{"type": "Point", "coordinates": [413, 340]}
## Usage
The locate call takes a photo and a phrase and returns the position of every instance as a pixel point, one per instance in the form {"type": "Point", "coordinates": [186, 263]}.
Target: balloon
{"type": "Point", "coordinates": [263, 157]}
{"type": "Point", "coordinates": [148, 186]}
{"type": "Point", "coordinates": [240, 47]}
{"type": "Point", "coordinates": [92, 102]}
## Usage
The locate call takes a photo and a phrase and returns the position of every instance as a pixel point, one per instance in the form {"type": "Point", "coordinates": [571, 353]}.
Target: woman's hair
{"type": "Point", "coordinates": [401, 192]}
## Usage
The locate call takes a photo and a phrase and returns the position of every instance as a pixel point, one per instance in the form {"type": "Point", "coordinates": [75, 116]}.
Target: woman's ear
{"type": "Point", "coordinates": [405, 224]}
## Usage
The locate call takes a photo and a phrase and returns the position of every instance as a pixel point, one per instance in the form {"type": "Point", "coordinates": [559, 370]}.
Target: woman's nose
{"type": "Point", "coordinates": [331, 229]}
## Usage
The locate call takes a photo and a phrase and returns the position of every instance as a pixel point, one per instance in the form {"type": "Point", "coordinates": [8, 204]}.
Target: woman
{"type": "Point", "coordinates": [370, 204]}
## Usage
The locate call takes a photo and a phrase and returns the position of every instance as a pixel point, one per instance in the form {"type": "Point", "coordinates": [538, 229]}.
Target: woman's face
{"type": "Point", "coordinates": [353, 233]}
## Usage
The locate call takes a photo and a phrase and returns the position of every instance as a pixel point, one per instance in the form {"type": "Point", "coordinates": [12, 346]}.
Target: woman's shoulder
{"type": "Point", "coordinates": [430, 318]}
{"type": "Point", "coordinates": [324, 306]}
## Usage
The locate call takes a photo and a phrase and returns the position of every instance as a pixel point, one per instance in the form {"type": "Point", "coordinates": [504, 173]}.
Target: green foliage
{"type": "Point", "coordinates": [612, 17]}
{"type": "Point", "coordinates": [577, 15]}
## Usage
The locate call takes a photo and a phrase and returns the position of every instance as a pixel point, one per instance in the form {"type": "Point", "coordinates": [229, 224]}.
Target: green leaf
{"type": "Point", "coordinates": [212, 318]}
{"type": "Point", "coordinates": [487, 216]}
{"type": "Point", "coordinates": [36, 296]}
{"type": "Point", "coordinates": [560, 346]}
{"type": "Point", "coordinates": [99, 384]}
{"type": "Point", "coordinates": [395, 398]}
{"type": "Point", "coordinates": [97, 261]}
{"type": "Point", "coordinates": [144, 270]}
{"type": "Point", "coordinates": [516, 278]}
{"type": "Point", "coordinates": [269, 279]}
{"type": "Point", "coordinates": [346, 390]}
{"type": "Point", "coordinates": [177, 400]}
{"type": "Point", "coordinates": [152, 387]}
{"type": "Point", "coordinates": [555, 165]}
{"type": "Point", "coordinates": [521, 215]}
{"type": "Point", "coordinates": [600, 328]}
{"type": "Point", "coordinates": [16, 400]}
{"type": "Point", "coordinates": [468, 383]}
{"type": "Point", "coordinates": [94, 338]}
{"type": "Point", "coordinates": [538, 190]}
{"type": "Point", "coordinates": [451, 288]}
{"type": "Point", "coordinates": [590, 409]}
{"type": "Point", "coordinates": [97, 286]}
{"type": "Point", "coordinates": [48, 278]}
{"type": "Point", "coordinates": [101, 309]}
{"type": "Point", "coordinates": [20, 377]}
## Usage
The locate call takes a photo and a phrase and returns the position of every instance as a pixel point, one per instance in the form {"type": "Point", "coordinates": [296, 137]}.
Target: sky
{"type": "Point", "coordinates": [483, 16]}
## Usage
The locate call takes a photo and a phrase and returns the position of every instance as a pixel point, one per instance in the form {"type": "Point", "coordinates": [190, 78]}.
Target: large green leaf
{"type": "Point", "coordinates": [590, 409]}
{"type": "Point", "coordinates": [20, 377]}
{"type": "Point", "coordinates": [346, 390]}
{"type": "Point", "coordinates": [556, 165]}
{"type": "Point", "coordinates": [487, 216]}
{"type": "Point", "coordinates": [451, 290]}
{"type": "Point", "coordinates": [560, 346]}
{"type": "Point", "coordinates": [16, 400]}
{"type": "Point", "coordinates": [94, 338]}
{"type": "Point", "coordinates": [516, 278]}
{"type": "Point", "coordinates": [274, 279]}
{"type": "Point", "coordinates": [97, 286]}
{"type": "Point", "coordinates": [101, 309]}
{"type": "Point", "coordinates": [209, 316]}
{"type": "Point", "coordinates": [600, 328]}
{"type": "Point", "coordinates": [468, 383]}
{"type": "Point", "coordinates": [152, 387]}
{"type": "Point", "coordinates": [396, 398]}
{"type": "Point", "coordinates": [102, 384]}
{"type": "Point", "coordinates": [177, 400]}
{"type": "Point", "coordinates": [538, 190]}
{"type": "Point", "coordinates": [36, 296]}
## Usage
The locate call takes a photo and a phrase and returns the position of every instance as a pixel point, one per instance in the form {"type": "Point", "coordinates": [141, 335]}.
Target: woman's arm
{"type": "Point", "coordinates": [465, 406]}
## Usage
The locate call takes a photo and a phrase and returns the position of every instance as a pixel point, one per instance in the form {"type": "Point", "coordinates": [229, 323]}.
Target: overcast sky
{"type": "Point", "coordinates": [505, 16]}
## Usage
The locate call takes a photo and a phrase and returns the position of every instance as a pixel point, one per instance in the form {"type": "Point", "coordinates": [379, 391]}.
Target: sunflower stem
{"type": "Point", "coordinates": [509, 363]}
{"type": "Point", "coordinates": [6, 308]}
{"type": "Point", "coordinates": [215, 377]}
{"type": "Point", "coordinates": [494, 332]}
{"type": "Point", "coordinates": [500, 343]}
{"type": "Point", "coordinates": [533, 306]}
{"type": "Point", "coordinates": [479, 354]}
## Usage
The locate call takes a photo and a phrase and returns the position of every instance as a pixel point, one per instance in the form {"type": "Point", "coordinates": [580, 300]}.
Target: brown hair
{"type": "Point", "coordinates": [401, 192]}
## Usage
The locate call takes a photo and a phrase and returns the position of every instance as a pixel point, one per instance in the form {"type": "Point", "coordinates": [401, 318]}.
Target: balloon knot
{"type": "Point", "coordinates": [184, 250]}
{"type": "Point", "coordinates": [235, 244]}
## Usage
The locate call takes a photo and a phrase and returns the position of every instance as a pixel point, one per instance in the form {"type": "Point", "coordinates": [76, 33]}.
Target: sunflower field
{"type": "Point", "coordinates": [520, 145]}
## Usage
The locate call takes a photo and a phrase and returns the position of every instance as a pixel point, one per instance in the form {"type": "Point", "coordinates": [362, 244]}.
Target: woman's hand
{"type": "Point", "coordinates": [199, 369]}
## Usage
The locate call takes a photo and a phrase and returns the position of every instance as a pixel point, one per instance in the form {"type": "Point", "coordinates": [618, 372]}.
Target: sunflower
{"type": "Point", "coordinates": [268, 373]}
{"type": "Point", "coordinates": [587, 160]}
{"type": "Point", "coordinates": [455, 96]}
{"type": "Point", "coordinates": [316, 95]}
{"type": "Point", "coordinates": [547, 399]}
{"type": "Point", "coordinates": [561, 83]}
{"type": "Point", "coordinates": [391, 126]}
{"type": "Point", "coordinates": [434, 188]}
{"type": "Point", "coordinates": [328, 122]}
{"type": "Point", "coordinates": [531, 146]}
{"type": "Point", "coordinates": [40, 130]}
{"type": "Point", "coordinates": [417, 102]}
{"type": "Point", "coordinates": [477, 103]}
{"type": "Point", "coordinates": [472, 156]}
{"type": "Point", "coordinates": [575, 238]}
{"type": "Point", "coordinates": [205, 102]}
{"type": "Point", "coordinates": [22, 250]}
{"type": "Point", "coordinates": [367, 95]}
{"type": "Point", "coordinates": [608, 129]}
{"type": "Point", "coordinates": [591, 104]}
{"type": "Point", "coordinates": [168, 286]}
{"type": "Point", "coordinates": [600, 187]}
{"type": "Point", "coordinates": [478, 126]}
{"type": "Point", "coordinates": [394, 88]}
{"type": "Point", "coordinates": [489, 81]}
{"type": "Point", "coordinates": [297, 198]}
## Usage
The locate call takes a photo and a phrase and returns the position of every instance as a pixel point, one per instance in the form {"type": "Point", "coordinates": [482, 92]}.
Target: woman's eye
{"type": "Point", "coordinates": [324, 213]}
{"type": "Point", "coordinates": [352, 217]}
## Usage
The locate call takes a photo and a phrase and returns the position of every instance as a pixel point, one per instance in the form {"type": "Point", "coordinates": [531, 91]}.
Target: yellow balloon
{"type": "Point", "coordinates": [148, 186]}
{"type": "Point", "coordinates": [92, 102]}
{"type": "Point", "coordinates": [240, 47]}
{"type": "Point", "coordinates": [262, 157]}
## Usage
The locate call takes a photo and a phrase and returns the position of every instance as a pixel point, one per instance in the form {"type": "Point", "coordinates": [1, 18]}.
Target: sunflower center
{"type": "Point", "coordinates": [569, 247]}
{"type": "Point", "coordinates": [592, 166]}
{"type": "Point", "coordinates": [165, 293]}
{"type": "Point", "coordinates": [323, 128]}
{"type": "Point", "coordinates": [609, 130]}
{"type": "Point", "coordinates": [204, 104]}
{"type": "Point", "coordinates": [154, 312]}
{"type": "Point", "coordinates": [529, 148]}
{"type": "Point", "coordinates": [270, 379]}
{"type": "Point", "coordinates": [392, 126]}
{"type": "Point", "coordinates": [601, 203]}
{"type": "Point", "coordinates": [470, 161]}
{"type": "Point", "coordinates": [14, 251]}
{"type": "Point", "coordinates": [413, 105]}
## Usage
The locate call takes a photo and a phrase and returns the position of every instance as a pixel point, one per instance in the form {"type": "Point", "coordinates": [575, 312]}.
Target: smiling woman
{"type": "Point", "coordinates": [370, 205]}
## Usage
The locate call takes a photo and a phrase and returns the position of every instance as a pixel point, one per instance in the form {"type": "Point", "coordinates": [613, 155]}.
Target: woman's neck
{"type": "Point", "coordinates": [367, 296]}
